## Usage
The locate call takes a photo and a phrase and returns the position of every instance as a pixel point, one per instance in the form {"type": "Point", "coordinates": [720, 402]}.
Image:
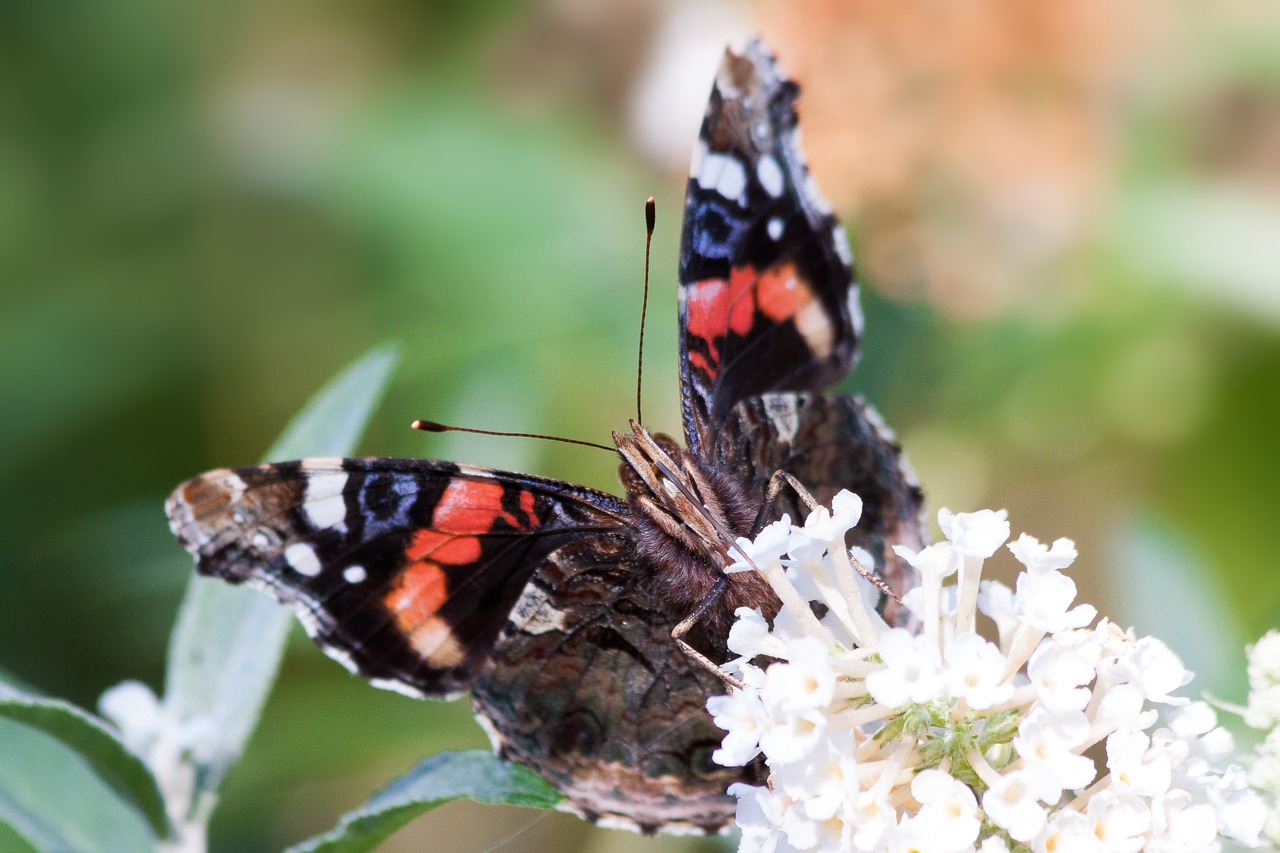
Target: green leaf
{"type": "Point", "coordinates": [90, 738]}
{"type": "Point", "coordinates": [54, 800]}
{"type": "Point", "coordinates": [475, 774]}
{"type": "Point", "coordinates": [13, 842]}
{"type": "Point", "coordinates": [226, 647]}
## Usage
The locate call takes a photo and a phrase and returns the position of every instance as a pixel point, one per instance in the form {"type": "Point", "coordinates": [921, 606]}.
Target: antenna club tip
{"type": "Point", "coordinates": [427, 426]}
{"type": "Point", "coordinates": [650, 213]}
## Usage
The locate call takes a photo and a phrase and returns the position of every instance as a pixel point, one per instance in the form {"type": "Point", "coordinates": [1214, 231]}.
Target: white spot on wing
{"type": "Point", "coordinates": [322, 463]}
{"type": "Point", "coordinates": [302, 558]}
{"type": "Point", "coordinates": [695, 164]}
{"type": "Point", "coordinates": [725, 174]}
{"type": "Point", "coordinates": [841, 239]}
{"type": "Point", "coordinates": [235, 487]}
{"type": "Point", "coordinates": [781, 411]}
{"type": "Point", "coordinates": [774, 227]}
{"type": "Point", "coordinates": [855, 311]}
{"type": "Point", "coordinates": [770, 175]}
{"type": "Point", "coordinates": [496, 740]}
{"type": "Point", "coordinates": [323, 502]}
{"type": "Point", "coordinates": [815, 327]}
{"type": "Point", "coordinates": [534, 613]}
{"type": "Point", "coordinates": [354, 574]}
{"type": "Point", "coordinates": [397, 686]}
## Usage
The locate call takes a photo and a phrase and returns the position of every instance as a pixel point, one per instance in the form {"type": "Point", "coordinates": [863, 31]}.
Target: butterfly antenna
{"type": "Point", "coordinates": [650, 217]}
{"type": "Point", "coordinates": [433, 426]}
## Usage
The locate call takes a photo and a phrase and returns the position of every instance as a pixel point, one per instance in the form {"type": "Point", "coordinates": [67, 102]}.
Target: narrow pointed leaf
{"type": "Point", "coordinates": [90, 738]}
{"type": "Point", "coordinates": [474, 774]}
{"type": "Point", "coordinates": [54, 799]}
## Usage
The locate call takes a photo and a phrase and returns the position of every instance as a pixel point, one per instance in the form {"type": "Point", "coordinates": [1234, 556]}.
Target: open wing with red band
{"type": "Point", "coordinates": [403, 569]}
{"type": "Point", "coordinates": [767, 297]}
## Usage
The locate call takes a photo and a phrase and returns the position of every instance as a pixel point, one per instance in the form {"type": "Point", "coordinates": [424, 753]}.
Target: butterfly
{"type": "Point", "coordinates": [554, 604]}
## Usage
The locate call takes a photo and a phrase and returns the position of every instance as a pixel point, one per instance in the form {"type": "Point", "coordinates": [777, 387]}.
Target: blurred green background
{"type": "Point", "coordinates": [1068, 224]}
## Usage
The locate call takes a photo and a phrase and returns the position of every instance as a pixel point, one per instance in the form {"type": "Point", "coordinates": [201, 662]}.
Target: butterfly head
{"type": "Point", "coordinates": [687, 517]}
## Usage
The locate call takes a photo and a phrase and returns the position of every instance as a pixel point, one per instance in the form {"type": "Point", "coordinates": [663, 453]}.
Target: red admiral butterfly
{"type": "Point", "coordinates": [553, 603]}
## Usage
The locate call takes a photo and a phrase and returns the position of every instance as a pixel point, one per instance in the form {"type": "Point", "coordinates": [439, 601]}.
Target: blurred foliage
{"type": "Point", "coordinates": [206, 209]}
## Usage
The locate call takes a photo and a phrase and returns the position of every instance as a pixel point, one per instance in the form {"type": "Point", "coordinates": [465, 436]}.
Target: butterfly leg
{"type": "Point", "coordinates": [782, 478]}
{"type": "Point", "coordinates": [776, 484]}
{"type": "Point", "coordinates": [679, 631]}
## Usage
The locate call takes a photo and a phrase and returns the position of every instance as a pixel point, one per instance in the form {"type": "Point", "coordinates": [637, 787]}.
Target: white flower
{"type": "Point", "coordinates": [1177, 825]}
{"type": "Point", "coordinates": [912, 673]}
{"type": "Point", "coordinates": [793, 736]}
{"type": "Point", "coordinates": [759, 816]}
{"type": "Point", "coordinates": [825, 781]}
{"type": "Point", "coordinates": [872, 818]}
{"type": "Point", "coordinates": [948, 810]}
{"type": "Point", "coordinates": [975, 534]}
{"type": "Point", "coordinates": [136, 712]}
{"type": "Point", "coordinates": [1043, 602]}
{"type": "Point", "coordinates": [996, 601]}
{"type": "Point", "coordinates": [806, 681]}
{"type": "Point", "coordinates": [1240, 810]}
{"type": "Point", "coordinates": [825, 525]}
{"type": "Point", "coordinates": [939, 560]}
{"type": "Point", "coordinates": [1119, 822]}
{"type": "Point", "coordinates": [1196, 724]}
{"type": "Point", "coordinates": [1264, 707]}
{"type": "Point", "coordinates": [764, 551]}
{"type": "Point", "coordinates": [750, 636]}
{"type": "Point", "coordinates": [975, 672]}
{"type": "Point", "coordinates": [877, 739]}
{"type": "Point", "coordinates": [1264, 682]}
{"type": "Point", "coordinates": [1122, 708]}
{"type": "Point", "coordinates": [1264, 660]}
{"type": "Point", "coordinates": [1046, 740]}
{"type": "Point", "coordinates": [1135, 768]}
{"type": "Point", "coordinates": [1059, 675]}
{"type": "Point", "coordinates": [1153, 669]}
{"type": "Point", "coordinates": [1014, 801]}
{"type": "Point", "coordinates": [743, 717]}
{"type": "Point", "coordinates": [1038, 559]}
{"type": "Point", "coordinates": [1066, 831]}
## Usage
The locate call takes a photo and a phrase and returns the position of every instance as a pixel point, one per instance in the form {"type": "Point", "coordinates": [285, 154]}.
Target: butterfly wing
{"type": "Point", "coordinates": [830, 443]}
{"type": "Point", "coordinates": [767, 296]}
{"type": "Point", "coordinates": [403, 569]}
{"type": "Point", "coordinates": [586, 687]}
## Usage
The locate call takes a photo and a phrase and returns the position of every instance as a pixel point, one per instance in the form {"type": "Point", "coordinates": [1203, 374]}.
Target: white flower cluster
{"type": "Point", "coordinates": [879, 739]}
{"type": "Point", "coordinates": [1264, 713]}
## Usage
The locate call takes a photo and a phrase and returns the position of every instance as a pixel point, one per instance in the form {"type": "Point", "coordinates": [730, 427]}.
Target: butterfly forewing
{"type": "Point", "coordinates": [404, 569]}
{"type": "Point", "coordinates": [767, 300]}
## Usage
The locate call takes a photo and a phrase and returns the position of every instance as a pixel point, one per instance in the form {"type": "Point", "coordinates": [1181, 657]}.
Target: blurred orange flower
{"type": "Point", "coordinates": [973, 140]}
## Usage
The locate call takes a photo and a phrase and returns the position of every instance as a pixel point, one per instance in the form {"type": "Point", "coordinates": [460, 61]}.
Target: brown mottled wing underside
{"type": "Point", "coordinates": [829, 443]}
{"type": "Point", "coordinates": [586, 687]}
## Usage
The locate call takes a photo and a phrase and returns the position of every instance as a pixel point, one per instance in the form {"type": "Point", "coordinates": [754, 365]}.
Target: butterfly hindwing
{"type": "Point", "coordinates": [403, 569]}
{"type": "Point", "coordinates": [767, 298]}
{"type": "Point", "coordinates": [586, 687]}
{"type": "Point", "coordinates": [828, 443]}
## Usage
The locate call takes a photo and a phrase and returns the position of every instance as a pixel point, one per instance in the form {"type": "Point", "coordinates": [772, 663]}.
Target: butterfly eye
{"type": "Point", "coordinates": [668, 446]}
{"type": "Point", "coordinates": [631, 481]}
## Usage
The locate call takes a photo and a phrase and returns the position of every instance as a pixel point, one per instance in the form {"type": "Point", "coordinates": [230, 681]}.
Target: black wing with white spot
{"type": "Point", "coordinates": [403, 569]}
{"type": "Point", "coordinates": [767, 295]}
